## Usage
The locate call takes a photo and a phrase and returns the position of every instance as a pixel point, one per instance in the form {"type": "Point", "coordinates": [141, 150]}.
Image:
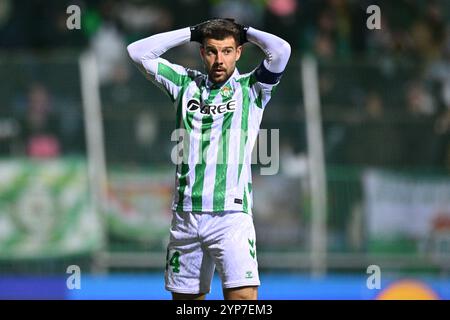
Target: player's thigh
{"type": "Point", "coordinates": [241, 293]}
{"type": "Point", "coordinates": [189, 269]}
{"type": "Point", "coordinates": [233, 248]}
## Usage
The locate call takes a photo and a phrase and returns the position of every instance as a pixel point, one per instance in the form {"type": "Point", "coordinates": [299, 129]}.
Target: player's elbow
{"type": "Point", "coordinates": [133, 52]}
{"type": "Point", "coordinates": [280, 56]}
{"type": "Point", "coordinates": [284, 50]}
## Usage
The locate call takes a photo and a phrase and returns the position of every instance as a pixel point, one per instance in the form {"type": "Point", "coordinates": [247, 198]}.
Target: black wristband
{"type": "Point", "coordinates": [265, 76]}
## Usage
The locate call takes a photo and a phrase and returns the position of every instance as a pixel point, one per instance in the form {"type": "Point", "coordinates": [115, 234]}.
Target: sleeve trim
{"type": "Point", "coordinates": [265, 76]}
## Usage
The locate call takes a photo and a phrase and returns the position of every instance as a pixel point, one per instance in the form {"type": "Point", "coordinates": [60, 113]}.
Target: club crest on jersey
{"type": "Point", "coordinates": [194, 105]}
{"type": "Point", "coordinates": [226, 92]}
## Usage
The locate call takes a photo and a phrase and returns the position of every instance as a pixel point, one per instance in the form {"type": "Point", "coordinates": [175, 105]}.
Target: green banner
{"type": "Point", "coordinates": [139, 205]}
{"type": "Point", "coordinates": [46, 209]}
{"type": "Point", "coordinates": [407, 213]}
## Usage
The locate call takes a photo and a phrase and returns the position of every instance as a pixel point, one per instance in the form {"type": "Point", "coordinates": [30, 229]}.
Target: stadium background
{"type": "Point", "coordinates": [86, 177]}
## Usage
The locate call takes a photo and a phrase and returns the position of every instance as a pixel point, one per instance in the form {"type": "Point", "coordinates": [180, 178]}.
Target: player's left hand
{"type": "Point", "coordinates": [242, 29]}
{"type": "Point", "coordinates": [243, 32]}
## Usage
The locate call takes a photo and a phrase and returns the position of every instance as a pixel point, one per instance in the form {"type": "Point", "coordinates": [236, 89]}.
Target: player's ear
{"type": "Point", "coordinates": [202, 52]}
{"type": "Point", "coordinates": [238, 52]}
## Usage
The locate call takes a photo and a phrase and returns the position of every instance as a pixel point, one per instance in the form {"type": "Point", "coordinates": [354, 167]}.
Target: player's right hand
{"type": "Point", "coordinates": [196, 34]}
{"type": "Point", "coordinates": [243, 33]}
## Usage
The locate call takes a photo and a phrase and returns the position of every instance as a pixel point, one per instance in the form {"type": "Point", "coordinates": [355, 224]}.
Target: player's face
{"type": "Point", "coordinates": [220, 58]}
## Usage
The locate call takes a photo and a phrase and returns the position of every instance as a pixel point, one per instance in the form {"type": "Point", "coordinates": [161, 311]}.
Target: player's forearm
{"type": "Point", "coordinates": [152, 47]}
{"type": "Point", "coordinates": [277, 50]}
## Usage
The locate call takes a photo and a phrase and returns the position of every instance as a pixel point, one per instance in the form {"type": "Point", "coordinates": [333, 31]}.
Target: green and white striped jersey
{"type": "Point", "coordinates": [220, 126]}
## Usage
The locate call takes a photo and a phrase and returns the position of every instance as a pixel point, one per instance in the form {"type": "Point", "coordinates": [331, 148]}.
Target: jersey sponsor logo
{"type": "Point", "coordinates": [194, 105]}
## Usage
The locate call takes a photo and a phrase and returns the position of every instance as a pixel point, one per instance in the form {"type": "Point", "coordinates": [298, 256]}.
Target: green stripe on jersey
{"type": "Point", "coordinates": [273, 89]}
{"type": "Point", "coordinates": [171, 75]}
{"type": "Point", "coordinates": [197, 188]}
{"type": "Point", "coordinates": [258, 101]}
{"type": "Point", "coordinates": [220, 183]}
{"type": "Point", "coordinates": [182, 185]}
{"type": "Point", "coordinates": [190, 115]}
{"type": "Point", "coordinates": [184, 170]}
{"type": "Point", "coordinates": [245, 205]}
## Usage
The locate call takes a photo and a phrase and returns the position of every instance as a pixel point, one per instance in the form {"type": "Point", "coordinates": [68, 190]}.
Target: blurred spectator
{"type": "Point", "coordinates": [39, 124]}
{"type": "Point", "coordinates": [109, 45]}
{"type": "Point", "coordinates": [374, 106]}
{"type": "Point", "coordinates": [428, 33]}
{"type": "Point", "coordinates": [9, 130]}
{"type": "Point", "coordinates": [419, 101]}
{"type": "Point", "coordinates": [324, 46]}
{"type": "Point", "coordinates": [341, 26]}
{"type": "Point", "coordinates": [292, 164]}
{"type": "Point", "coordinates": [438, 74]}
{"type": "Point", "coordinates": [419, 140]}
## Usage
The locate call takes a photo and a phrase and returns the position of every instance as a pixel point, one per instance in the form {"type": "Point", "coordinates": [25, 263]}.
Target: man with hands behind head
{"type": "Point", "coordinates": [220, 112]}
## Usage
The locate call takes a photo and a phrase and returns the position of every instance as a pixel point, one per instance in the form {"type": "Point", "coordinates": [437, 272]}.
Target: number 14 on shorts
{"type": "Point", "coordinates": [173, 262]}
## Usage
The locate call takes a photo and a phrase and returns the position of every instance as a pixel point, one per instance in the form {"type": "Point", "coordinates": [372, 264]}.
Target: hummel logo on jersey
{"type": "Point", "coordinates": [194, 105]}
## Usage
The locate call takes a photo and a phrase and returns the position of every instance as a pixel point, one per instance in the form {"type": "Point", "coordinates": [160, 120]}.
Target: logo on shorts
{"type": "Point", "coordinates": [252, 248]}
{"type": "Point", "coordinates": [248, 275]}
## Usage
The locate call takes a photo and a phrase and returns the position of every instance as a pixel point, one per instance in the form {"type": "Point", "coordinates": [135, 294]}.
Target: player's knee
{"type": "Point", "coordinates": [242, 293]}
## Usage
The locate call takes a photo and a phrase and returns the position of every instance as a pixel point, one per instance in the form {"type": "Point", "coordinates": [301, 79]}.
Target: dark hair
{"type": "Point", "coordinates": [220, 29]}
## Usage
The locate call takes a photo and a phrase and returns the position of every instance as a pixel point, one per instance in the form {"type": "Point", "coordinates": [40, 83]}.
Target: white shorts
{"type": "Point", "coordinates": [199, 242]}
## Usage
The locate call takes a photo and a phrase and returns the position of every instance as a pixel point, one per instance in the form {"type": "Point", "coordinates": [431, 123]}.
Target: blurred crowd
{"type": "Point", "coordinates": [333, 29]}
{"type": "Point", "coordinates": [390, 106]}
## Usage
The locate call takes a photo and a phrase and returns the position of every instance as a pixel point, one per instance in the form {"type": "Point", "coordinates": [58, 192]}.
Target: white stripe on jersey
{"type": "Point", "coordinates": [211, 161]}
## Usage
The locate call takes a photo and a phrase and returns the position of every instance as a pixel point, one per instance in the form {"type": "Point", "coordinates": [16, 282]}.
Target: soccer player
{"type": "Point", "coordinates": [220, 111]}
